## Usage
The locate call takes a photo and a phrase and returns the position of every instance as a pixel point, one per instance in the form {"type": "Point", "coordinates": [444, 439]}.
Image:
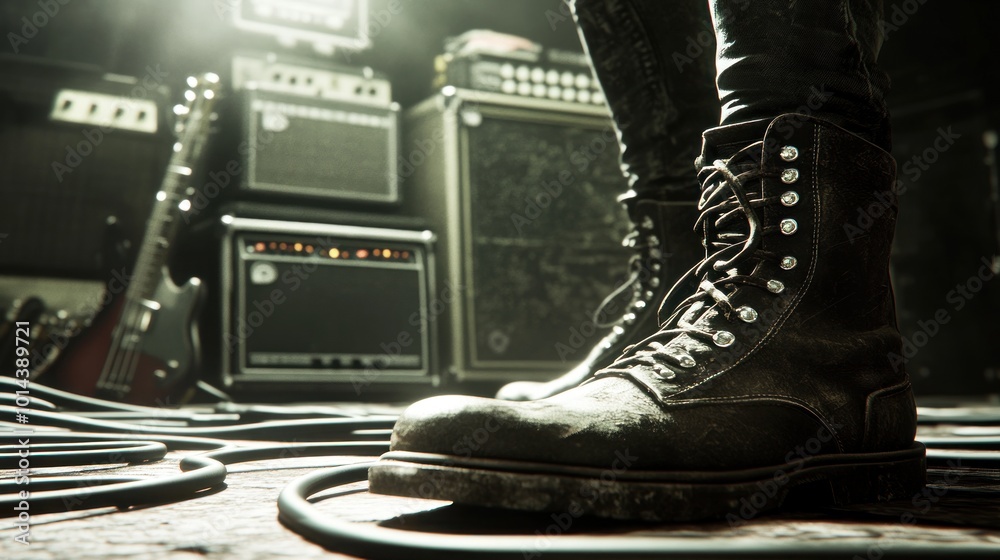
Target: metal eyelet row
{"type": "Point", "coordinates": [787, 226]}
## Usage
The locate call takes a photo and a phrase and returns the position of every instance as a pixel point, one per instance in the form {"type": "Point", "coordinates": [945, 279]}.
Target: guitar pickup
{"type": "Point", "coordinates": [106, 111]}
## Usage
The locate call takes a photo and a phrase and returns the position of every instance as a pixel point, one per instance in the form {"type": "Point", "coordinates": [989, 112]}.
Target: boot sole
{"type": "Point", "coordinates": [621, 493]}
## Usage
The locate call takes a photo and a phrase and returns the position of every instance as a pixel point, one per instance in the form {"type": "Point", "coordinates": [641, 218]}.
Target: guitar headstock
{"type": "Point", "coordinates": [195, 115]}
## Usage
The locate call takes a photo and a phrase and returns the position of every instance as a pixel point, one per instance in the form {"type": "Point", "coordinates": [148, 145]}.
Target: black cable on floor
{"type": "Point", "coordinates": [379, 543]}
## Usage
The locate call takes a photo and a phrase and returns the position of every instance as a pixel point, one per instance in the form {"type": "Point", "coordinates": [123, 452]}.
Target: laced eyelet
{"type": "Point", "coordinates": [789, 176]}
{"type": "Point", "coordinates": [647, 222]}
{"type": "Point", "coordinates": [686, 361]}
{"type": "Point", "coordinates": [640, 304]}
{"type": "Point", "coordinates": [664, 372]}
{"type": "Point", "coordinates": [747, 314]}
{"type": "Point", "coordinates": [789, 153]}
{"type": "Point", "coordinates": [789, 198]}
{"type": "Point", "coordinates": [788, 263]}
{"type": "Point", "coordinates": [722, 339]}
{"type": "Point", "coordinates": [788, 226]}
{"type": "Point", "coordinates": [628, 318]}
{"type": "Point", "coordinates": [654, 282]}
{"type": "Point", "coordinates": [775, 287]}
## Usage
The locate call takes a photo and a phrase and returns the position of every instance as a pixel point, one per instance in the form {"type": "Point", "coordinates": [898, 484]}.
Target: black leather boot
{"type": "Point", "coordinates": [664, 247]}
{"type": "Point", "coordinates": [768, 381]}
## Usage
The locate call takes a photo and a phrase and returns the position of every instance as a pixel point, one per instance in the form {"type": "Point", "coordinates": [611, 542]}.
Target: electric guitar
{"type": "Point", "coordinates": [145, 341]}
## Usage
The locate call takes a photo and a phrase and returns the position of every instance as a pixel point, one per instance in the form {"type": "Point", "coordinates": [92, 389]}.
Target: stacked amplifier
{"type": "Point", "coordinates": [320, 132]}
{"type": "Point", "coordinates": [323, 291]}
{"type": "Point", "coordinates": [516, 164]}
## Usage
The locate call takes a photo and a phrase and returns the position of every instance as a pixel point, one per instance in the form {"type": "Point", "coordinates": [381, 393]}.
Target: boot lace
{"type": "Point", "coordinates": [730, 218]}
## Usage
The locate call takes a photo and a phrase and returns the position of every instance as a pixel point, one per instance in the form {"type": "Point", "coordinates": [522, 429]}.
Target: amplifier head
{"type": "Point", "coordinates": [300, 146]}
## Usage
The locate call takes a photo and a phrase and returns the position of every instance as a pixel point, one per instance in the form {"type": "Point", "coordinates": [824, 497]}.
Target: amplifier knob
{"type": "Point", "coordinates": [552, 77]}
{"type": "Point", "coordinates": [523, 74]}
{"type": "Point", "coordinates": [537, 75]}
{"type": "Point", "coordinates": [554, 92]}
{"type": "Point", "coordinates": [582, 81]}
{"type": "Point", "coordinates": [508, 86]}
{"type": "Point", "coordinates": [569, 94]}
{"type": "Point", "coordinates": [583, 96]}
{"type": "Point", "coordinates": [506, 70]}
{"type": "Point", "coordinates": [538, 90]}
{"type": "Point", "coordinates": [566, 80]}
{"type": "Point", "coordinates": [524, 88]}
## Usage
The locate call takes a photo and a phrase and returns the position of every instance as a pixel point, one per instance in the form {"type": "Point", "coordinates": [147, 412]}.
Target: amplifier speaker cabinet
{"type": "Point", "coordinates": [325, 308]}
{"type": "Point", "coordinates": [521, 193]}
{"type": "Point", "coordinates": [79, 147]}
{"type": "Point", "coordinates": [320, 148]}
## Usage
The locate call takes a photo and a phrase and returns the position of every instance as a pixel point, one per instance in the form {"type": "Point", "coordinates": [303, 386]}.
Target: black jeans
{"type": "Point", "coordinates": [665, 79]}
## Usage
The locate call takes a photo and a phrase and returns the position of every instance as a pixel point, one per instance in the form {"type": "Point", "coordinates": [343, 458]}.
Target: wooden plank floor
{"type": "Point", "coordinates": [240, 521]}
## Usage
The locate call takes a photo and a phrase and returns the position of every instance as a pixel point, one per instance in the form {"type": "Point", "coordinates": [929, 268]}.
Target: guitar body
{"type": "Point", "coordinates": [161, 355]}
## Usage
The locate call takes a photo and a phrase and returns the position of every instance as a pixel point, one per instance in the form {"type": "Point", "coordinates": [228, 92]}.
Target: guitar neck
{"type": "Point", "coordinates": [161, 230]}
{"type": "Point", "coordinates": [171, 200]}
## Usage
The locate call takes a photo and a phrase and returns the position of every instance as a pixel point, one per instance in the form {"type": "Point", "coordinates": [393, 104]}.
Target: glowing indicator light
{"type": "Point", "coordinates": [298, 247]}
{"type": "Point", "coordinates": [377, 252]}
{"type": "Point", "coordinates": [309, 249]}
{"type": "Point", "coordinates": [283, 246]}
{"type": "Point", "coordinates": [260, 247]}
{"type": "Point", "coordinates": [334, 253]}
{"type": "Point", "coordinates": [362, 254]}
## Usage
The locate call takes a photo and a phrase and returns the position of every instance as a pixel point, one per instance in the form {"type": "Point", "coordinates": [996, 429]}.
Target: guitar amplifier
{"type": "Point", "coordinates": [308, 131]}
{"type": "Point", "coordinates": [522, 194]}
{"type": "Point", "coordinates": [329, 308]}
{"type": "Point", "coordinates": [79, 147]}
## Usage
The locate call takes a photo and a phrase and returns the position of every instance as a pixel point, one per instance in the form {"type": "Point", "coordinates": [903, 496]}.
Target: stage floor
{"type": "Point", "coordinates": [960, 507]}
